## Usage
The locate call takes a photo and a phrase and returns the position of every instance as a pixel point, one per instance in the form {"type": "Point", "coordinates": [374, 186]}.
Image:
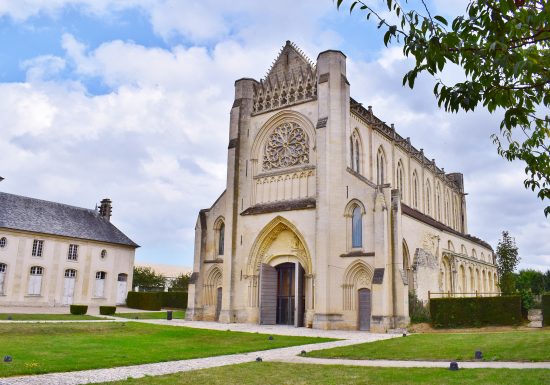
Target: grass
{"type": "Point", "coordinates": [266, 373]}
{"type": "Point", "coordinates": [507, 346]}
{"type": "Point", "coordinates": [46, 317]}
{"type": "Point", "coordinates": [45, 348]}
{"type": "Point", "coordinates": [176, 314]}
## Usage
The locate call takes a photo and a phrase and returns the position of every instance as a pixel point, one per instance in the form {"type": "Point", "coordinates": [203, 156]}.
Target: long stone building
{"type": "Point", "coordinates": [330, 217]}
{"type": "Point", "coordinates": [52, 254]}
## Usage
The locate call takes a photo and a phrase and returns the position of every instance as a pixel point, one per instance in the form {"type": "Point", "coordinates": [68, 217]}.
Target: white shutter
{"type": "Point", "coordinates": [35, 284]}
{"type": "Point", "coordinates": [2, 278]}
{"type": "Point", "coordinates": [99, 288]}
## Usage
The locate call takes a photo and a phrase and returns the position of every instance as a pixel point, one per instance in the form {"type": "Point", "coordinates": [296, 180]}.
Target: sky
{"type": "Point", "coordinates": [130, 100]}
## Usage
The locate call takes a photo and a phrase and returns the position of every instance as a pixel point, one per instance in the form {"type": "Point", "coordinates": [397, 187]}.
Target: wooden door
{"type": "Point", "coordinates": [268, 295]}
{"type": "Point", "coordinates": [364, 309]}
{"type": "Point", "coordinates": [218, 303]}
{"type": "Point", "coordinates": [300, 298]}
{"type": "Point", "coordinates": [122, 288]}
{"type": "Point", "coordinates": [68, 291]}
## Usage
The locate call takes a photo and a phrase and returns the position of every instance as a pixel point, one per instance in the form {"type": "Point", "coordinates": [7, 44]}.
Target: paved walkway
{"type": "Point", "coordinates": [289, 354]}
{"type": "Point", "coordinates": [92, 310]}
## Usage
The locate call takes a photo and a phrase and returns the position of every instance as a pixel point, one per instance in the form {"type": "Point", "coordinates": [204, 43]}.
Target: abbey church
{"type": "Point", "coordinates": [329, 218]}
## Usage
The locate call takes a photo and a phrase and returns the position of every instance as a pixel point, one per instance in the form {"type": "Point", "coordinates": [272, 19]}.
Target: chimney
{"type": "Point", "coordinates": [105, 209]}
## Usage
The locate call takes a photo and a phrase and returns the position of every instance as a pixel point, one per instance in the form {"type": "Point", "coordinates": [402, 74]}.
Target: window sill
{"type": "Point", "coordinates": [72, 260]}
{"type": "Point", "coordinates": [99, 297]}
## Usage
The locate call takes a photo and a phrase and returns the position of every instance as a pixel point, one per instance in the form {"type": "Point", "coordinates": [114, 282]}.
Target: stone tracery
{"type": "Point", "coordinates": [287, 146]}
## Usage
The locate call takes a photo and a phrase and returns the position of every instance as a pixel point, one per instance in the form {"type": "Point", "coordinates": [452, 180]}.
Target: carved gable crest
{"type": "Point", "coordinates": [290, 80]}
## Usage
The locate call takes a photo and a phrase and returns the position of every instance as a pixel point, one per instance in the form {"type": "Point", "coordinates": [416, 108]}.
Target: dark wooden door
{"type": "Point", "coordinates": [268, 295]}
{"type": "Point", "coordinates": [300, 297]}
{"type": "Point", "coordinates": [364, 309]}
{"type": "Point", "coordinates": [218, 303]}
{"type": "Point", "coordinates": [286, 294]}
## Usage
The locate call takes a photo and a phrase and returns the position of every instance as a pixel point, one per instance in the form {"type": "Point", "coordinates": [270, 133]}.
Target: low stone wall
{"type": "Point", "coordinates": [535, 318]}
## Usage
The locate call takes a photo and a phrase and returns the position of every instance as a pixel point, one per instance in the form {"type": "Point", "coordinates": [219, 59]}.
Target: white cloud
{"type": "Point", "coordinates": [156, 140]}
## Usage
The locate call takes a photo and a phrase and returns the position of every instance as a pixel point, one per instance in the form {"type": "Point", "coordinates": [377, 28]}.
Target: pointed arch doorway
{"type": "Point", "coordinates": [282, 294]}
{"type": "Point", "coordinates": [281, 265]}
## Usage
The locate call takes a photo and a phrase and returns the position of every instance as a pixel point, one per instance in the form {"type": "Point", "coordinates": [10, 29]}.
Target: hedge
{"type": "Point", "coordinates": [107, 310]}
{"type": "Point", "coordinates": [174, 299]}
{"type": "Point", "coordinates": [546, 309]}
{"type": "Point", "coordinates": [475, 311]}
{"type": "Point", "coordinates": [79, 309]}
{"type": "Point", "coordinates": [144, 300]}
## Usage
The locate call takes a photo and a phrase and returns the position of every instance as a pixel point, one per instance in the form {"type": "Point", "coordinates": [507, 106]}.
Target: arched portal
{"type": "Point", "coordinates": [279, 270]}
{"type": "Point", "coordinates": [212, 293]}
{"type": "Point", "coordinates": [357, 288]}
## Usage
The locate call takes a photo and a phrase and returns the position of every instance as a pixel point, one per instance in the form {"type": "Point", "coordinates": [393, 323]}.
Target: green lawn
{"type": "Point", "coordinates": [176, 314]}
{"type": "Point", "coordinates": [266, 373]}
{"type": "Point", "coordinates": [44, 348]}
{"type": "Point", "coordinates": [505, 346]}
{"type": "Point", "coordinates": [46, 317]}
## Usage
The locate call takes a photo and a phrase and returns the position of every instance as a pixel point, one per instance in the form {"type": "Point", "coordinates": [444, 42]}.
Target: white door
{"type": "Point", "coordinates": [2, 277]}
{"type": "Point", "coordinates": [68, 291]}
{"type": "Point", "coordinates": [121, 293]}
{"type": "Point", "coordinates": [35, 284]}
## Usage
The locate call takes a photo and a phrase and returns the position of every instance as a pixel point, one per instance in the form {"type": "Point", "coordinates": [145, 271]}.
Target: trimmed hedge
{"type": "Point", "coordinates": [476, 311]}
{"type": "Point", "coordinates": [144, 300]}
{"type": "Point", "coordinates": [174, 299]}
{"type": "Point", "coordinates": [107, 310]}
{"type": "Point", "coordinates": [545, 309]}
{"type": "Point", "coordinates": [79, 309]}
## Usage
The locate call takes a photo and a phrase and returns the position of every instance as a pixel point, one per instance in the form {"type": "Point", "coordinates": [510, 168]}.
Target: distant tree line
{"type": "Point", "coordinates": [148, 279]}
{"type": "Point", "coordinates": [528, 283]}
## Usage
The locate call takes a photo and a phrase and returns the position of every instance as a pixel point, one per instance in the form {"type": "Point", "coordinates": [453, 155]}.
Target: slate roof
{"type": "Point", "coordinates": [36, 215]}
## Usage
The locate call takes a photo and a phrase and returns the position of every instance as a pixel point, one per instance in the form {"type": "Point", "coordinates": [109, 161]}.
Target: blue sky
{"type": "Point", "coordinates": [130, 100]}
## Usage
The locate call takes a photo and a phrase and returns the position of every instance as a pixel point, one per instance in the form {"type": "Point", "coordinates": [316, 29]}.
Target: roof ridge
{"type": "Point", "coordinates": [46, 201]}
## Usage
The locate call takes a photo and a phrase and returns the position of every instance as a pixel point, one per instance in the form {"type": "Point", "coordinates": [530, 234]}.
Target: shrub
{"type": "Point", "coordinates": [174, 299]}
{"type": "Point", "coordinates": [527, 302]}
{"type": "Point", "coordinates": [418, 311]}
{"type": "Point", "coordinates": [79, 309]}
{"type": "Point", "coordinates": [478, 311]}
{"type": "Point", "coordinates": [546, 309]}
{"type": "Point", "coordinates": [144, 300]}
{"type": "Point", "coordinates": [107, 310]}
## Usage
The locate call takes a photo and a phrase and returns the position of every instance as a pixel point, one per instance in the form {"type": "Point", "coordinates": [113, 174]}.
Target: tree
{"type": "Point", "coordinates": [547, 281]}
{"type": "Point", "coordinates": [530, 280]}
{"type": "Point", "coordinates": [147, 278]}
{"type": "Point", "coordinates": [507, 260]}
{"type": "Point", "coordinates": [503, 46]}
{"type": "Point", "coordinates": [181, 282]}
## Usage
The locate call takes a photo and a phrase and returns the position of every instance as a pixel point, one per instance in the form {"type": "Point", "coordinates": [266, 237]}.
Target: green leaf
{"type": "Point", "coordinates": [441, 19]}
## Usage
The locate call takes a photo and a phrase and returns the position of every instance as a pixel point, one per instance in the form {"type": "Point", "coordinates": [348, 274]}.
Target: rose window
{"type": "Point", "coordinates": [287, 146]}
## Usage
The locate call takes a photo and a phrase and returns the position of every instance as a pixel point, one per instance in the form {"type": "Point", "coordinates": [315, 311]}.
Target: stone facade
{"type": "Point", "coordinates": [329, 217]}
{"type": "Point", "coordinates": [54, 255]}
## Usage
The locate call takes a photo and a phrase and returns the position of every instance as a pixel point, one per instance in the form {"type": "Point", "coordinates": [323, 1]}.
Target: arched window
{"type": "Point", "coordinates": [437, 202]}
{"type": "Point", "coordinates": [352, 152]}
{"type": "Point", "coordinates": [450, 246]}
{"type": "Point", "coordinates": [380, 167]}
{"type": "Point", "coordinates": [356, 151]}
{"type": "Point", "coordinates": [3, 268]}
{"type": "Point", "coordinates": [447, 209]}
{"type": "Point", "coordinates": [99, 286]}
{"type": "Point", "coordinates": [70, 273]}
{"type": "Point", "coordinates": [221, 239]}
{"type": "Point", "coordinates": [400, 178]}
{"type": "Point", "coordinates": [428, 200]}
{"type": "Point", "coordinates": [415, 190]}
{"type": "Point", "coordinates": [357, 228]}
{"type": "Point", "coordinates": [35, 280]}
